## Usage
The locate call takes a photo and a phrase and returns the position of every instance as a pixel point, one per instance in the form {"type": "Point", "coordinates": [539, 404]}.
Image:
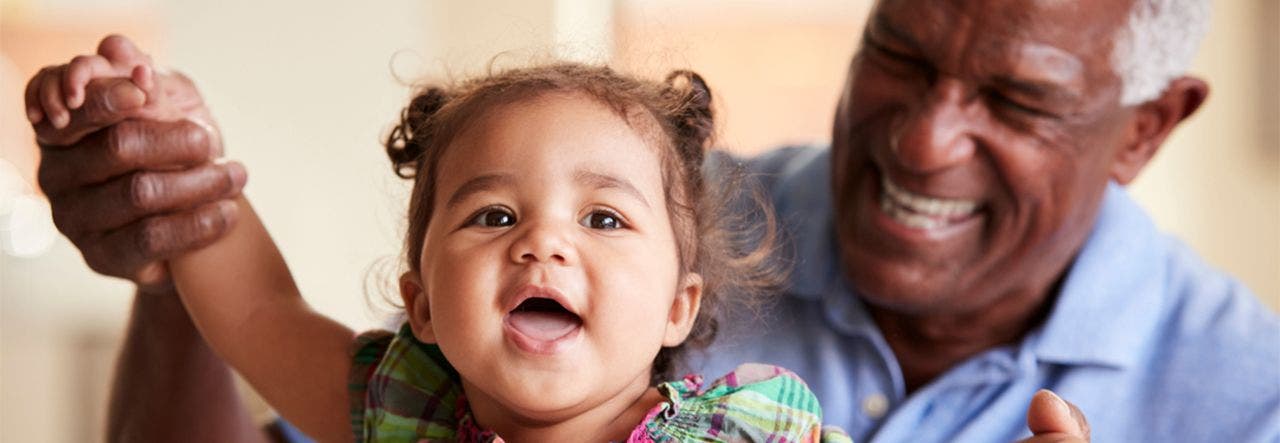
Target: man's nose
{"type": "Point", "coordinates": [543, 242]}
{"type": "Point", "coordinates": [935, 135]}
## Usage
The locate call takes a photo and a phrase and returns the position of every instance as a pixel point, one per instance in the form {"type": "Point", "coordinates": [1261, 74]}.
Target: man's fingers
{"type": "Point", "coordinates": [1055, 437]}
{"type": "Point", "coordinates": [78, 73]}
{"type": "Point", "coordinates": [132, 197]}
{"type": "Point", "coordinates": [1082, 423]}
{"type": "Point", "coordinates": [51, 99]}
{"type": "Point", "coordinates": [130, 250]}
{"type": "Point", "coordinates": [1050, 414]}
{"type": "Point", "coordinates": [107, 101]}
{"type": "Point", "coordinates": [129, 145]}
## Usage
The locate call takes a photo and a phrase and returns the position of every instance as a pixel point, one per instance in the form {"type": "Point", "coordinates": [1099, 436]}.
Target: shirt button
{"type": "Point", "coordinates": [875, 405]}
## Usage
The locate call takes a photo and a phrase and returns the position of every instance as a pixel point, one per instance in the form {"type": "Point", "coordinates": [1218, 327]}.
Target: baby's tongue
{"type": "Point", "coordinates": [543, 325]}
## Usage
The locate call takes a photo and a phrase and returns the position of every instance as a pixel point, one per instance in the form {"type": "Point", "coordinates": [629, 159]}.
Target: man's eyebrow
{"type": "Point", "coordinates": [478, 184]}
{"type": "Point", "coordinates": [597, 180]}
{"type": "Point", "coordinates": [1038, 89]}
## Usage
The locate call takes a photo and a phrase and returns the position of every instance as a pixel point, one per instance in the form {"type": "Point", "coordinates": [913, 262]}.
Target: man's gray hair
{"type": "Point", "coordinates": [1157, 45]}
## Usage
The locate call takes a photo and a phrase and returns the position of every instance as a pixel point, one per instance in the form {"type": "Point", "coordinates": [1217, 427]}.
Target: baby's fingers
{"type": "Point", "coordinates": [51, 98]}
{"type": "Point", "coordinates": [35, 111]}
{"type": "Point", "coordinates": [121, 51]}
{"type": "Point", "coordinates": [107, 101]}
{"type": "Point", "coordinates": [78, 73]}
{"type": "Point", "coordinates": [143, 76]}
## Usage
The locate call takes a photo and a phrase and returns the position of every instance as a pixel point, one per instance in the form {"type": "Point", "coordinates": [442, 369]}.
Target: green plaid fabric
{"type": "Point", "coordinates": [404, 390]}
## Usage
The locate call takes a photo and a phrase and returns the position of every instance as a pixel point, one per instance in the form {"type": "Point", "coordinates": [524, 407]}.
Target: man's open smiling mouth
{"type": "Point", "coordinates": [923, 212]}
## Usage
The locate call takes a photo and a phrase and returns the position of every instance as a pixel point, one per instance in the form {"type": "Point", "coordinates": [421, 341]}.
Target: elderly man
{"type": "Point", "coordinates": [964, 242]}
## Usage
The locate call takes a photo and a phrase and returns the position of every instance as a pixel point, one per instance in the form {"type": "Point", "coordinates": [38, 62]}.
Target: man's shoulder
{"type": "Point", "coordinates": [775, 164]}
{"type": "Point", "coordinates": [795, 179]}
{"type": "Point", "coordinates": [1205, 303]}
{"type": "Point", "coordinates": [1218, 347]}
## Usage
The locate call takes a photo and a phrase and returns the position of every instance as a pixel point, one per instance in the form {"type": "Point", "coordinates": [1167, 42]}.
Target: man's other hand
{"type": "Point", "coordinates": [1052, 419]}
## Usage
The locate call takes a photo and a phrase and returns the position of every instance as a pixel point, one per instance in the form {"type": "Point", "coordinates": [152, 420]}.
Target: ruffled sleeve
{"type": "Point", "coordinates": [755, 402]}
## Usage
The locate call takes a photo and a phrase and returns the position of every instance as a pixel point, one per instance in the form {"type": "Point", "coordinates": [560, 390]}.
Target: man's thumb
{"type": "Point", "coordinates": [1051, 414]}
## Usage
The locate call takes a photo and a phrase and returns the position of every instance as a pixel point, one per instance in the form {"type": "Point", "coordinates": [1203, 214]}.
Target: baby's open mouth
{"type": "Point", "coordinates": [543, 319]}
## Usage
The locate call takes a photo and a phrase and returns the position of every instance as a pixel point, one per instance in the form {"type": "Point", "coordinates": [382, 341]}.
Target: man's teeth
{"type": "Point", "coordinates": [921, 212]}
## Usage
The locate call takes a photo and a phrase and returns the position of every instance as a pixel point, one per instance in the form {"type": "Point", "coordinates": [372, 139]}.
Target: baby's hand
{"type": "Point", "coordinates": [58, 90]}
{"type": "Point", "coordinates": [66, 102]}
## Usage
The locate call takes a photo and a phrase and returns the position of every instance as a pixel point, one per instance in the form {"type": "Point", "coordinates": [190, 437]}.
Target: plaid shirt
{"type": "Point", "coordinates": [404, 390]}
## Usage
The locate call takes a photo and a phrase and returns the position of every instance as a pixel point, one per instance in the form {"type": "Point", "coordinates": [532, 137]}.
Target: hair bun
{"type": "Point", "coordinates": [407, 141]}
{"type": "Point", "coordinates": [695, 118]}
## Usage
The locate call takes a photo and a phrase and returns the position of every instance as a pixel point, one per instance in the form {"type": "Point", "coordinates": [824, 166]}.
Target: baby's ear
{"type": "Point", "coordinates": [417, 307]}
{"type": "Point", "coordinates": [684, 310]}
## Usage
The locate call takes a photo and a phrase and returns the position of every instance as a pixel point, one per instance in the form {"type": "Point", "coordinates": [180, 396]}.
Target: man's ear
{"type": "Point", "coordinates": [1152, 123]}
{"type": "Point", "coordinates": [417, 307]}
{"type": "Point", "coordinates": [684, 310]}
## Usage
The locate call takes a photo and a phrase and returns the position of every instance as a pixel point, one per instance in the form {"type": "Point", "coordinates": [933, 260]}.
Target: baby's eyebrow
{"type": "Point", "coordinates": [478, 184]}
{"type": "Point", "coordinates": [597, 180]}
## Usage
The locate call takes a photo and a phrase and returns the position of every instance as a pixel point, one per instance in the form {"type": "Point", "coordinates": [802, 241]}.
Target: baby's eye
{"type": "Point", "coordinates": [602, 220]}
{"type": "Point", "coordinates": [492, 218]}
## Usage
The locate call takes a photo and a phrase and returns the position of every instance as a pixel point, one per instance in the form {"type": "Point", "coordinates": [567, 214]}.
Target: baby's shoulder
{"type": "Point", "coordinates": [754, 402]}
{"type": "Point", "coordinates": [402, 389]}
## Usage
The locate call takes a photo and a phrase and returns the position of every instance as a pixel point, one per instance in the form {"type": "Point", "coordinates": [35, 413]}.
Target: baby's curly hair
{"type": "Point", "coordinates": [734, 261]}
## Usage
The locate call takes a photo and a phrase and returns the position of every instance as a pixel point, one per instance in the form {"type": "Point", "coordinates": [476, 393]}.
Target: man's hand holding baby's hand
{"type": "Point", "coordinates": [127, 162]}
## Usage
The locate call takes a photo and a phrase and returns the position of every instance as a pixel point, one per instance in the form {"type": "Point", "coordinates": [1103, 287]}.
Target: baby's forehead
{"type": "Point", "coordinates": [549, 131]}
{"type": "Point", "coordinates": [638, 117]}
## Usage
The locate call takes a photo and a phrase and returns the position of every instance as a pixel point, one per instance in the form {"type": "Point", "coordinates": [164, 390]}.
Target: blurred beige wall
{"type": "Point", "coordinates": [1216, 182]}
{"type": "Point", "coordinates": [304, 90]}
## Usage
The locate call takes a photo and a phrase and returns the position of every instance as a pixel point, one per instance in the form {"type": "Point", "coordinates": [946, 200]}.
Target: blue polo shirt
{"type": "Point", "coordinates": [1148, 340]}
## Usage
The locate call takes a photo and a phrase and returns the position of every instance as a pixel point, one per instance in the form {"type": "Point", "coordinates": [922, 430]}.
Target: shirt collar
{"type": "Point", "coordinates": [1107, 307]}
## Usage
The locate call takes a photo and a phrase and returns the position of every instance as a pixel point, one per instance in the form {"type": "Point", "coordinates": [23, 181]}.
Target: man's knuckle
{"type": "Point", "coordinates": [226, 184]}
{"type": "Point", "coordinates": [143, 191]}
{"type": "Point", "coordinates": [194, 135]}
{"type": "Point", "coordinates": [122, 143]}
{"type": "Point", "coordinates": [151, 239]}
{"type": "Point", "coordinates": [212, 223]}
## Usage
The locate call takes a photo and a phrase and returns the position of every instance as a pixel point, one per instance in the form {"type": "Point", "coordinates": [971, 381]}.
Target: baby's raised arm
{"type": "Point", "coordinates": [244, 301]}
{"type": "Point", "coordinates": [238, 290]}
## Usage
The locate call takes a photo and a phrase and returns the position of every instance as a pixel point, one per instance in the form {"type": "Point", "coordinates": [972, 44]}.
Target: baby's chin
{"type": "Point", "coordinates": [537, 397]}
{"type": "Point", "coordinates": [538, 401]}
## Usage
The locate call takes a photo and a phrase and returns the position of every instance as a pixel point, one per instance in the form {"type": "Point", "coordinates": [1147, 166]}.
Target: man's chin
{"type": "Point", "coordinates": [909, 290]}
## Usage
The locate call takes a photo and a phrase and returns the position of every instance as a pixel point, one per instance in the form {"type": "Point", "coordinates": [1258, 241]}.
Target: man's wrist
{"type": "Point", "coordinates": [158, 307]}
{"type": "Point", "coordinates": [162, 289]}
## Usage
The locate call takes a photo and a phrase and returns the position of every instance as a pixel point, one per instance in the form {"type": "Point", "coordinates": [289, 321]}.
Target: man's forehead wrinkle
{"type": "Point", "coordinates": [1015, 43]}
{"type": "Point", "coordinates": [1045, 63]}
{"type": "Point", "coordinates": [900, 18]}
{"type": "Point", "coordinates": [882, 24]}
{"type": "Point", "coordinates": [933, 27]}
